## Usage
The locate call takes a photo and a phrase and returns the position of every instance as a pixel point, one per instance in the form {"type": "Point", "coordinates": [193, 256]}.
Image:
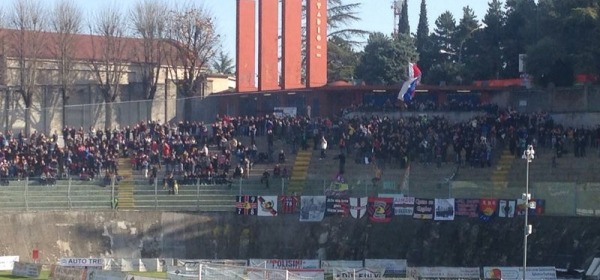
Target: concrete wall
{"type": "Point", "coordinates": [556, 241]}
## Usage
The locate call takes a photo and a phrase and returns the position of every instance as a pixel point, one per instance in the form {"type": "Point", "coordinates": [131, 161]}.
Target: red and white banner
{"type": "Point", "coordinates": [358, 206]}
{"type": "Point", "coordinates": [267, 206]}
{"type": "Point", "coordinates": [380, 209]}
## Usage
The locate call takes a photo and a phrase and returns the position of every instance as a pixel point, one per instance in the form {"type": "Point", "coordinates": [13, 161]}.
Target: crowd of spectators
{"type": "Point", "coordinates": [182, 151]}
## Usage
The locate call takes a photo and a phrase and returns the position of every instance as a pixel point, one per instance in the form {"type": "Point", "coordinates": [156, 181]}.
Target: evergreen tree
{"type": "Point", "coordinates": [490, 43]}
{"type": "Point", "coordinates": [466, 43]}
{"type": "Point", "coordinates": [403, 25]}
{"type": "Point", "coordinates": [385, 60]}
{"type": "Point", "coordinates": [223, 64]}
{"type": "Point", "coordinates": [422, 28]}
{"type": "Point", "coordinates": [443, 68]}
{"type": "Point", "coordinates": [425, 48]}
{"type": "Point", "coordinates": [341, 60]}
{"type": "Point", "coordinates": [519, 32]}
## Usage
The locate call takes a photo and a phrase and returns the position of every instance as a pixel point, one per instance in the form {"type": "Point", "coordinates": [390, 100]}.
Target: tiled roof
{"type": "Point", "coordinates": [85, 46]}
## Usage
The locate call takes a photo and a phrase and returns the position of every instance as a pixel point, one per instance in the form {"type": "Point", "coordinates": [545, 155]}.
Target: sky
{"type": "Point", "coordinates": [376, 15]}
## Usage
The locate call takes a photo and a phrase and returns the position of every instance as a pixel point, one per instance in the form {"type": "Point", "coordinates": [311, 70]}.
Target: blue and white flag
{"type": "Point", "coordinates": [407, 92]}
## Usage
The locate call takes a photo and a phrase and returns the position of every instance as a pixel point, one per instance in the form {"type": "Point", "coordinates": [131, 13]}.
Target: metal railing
{"type": "Point", "coordinates": [31, 194]}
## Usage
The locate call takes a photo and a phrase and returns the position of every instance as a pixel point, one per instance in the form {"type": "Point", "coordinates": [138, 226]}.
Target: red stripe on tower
{"type": "Point", "coordinates": [268, 60]}
{"type": "Point", "coordinates": [245, 45]}
{"type": "Point", "coordinates": [316, 25]}
{"type": "Point", "coordinates": [291, 62]}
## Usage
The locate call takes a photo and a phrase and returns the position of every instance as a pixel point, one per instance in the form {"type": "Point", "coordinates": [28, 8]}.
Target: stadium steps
{"type": "Point", "coordinates": [126, 185]}
{"type": "Point", "coordinates": [500, 174]}
{"type": "Point", "coordinates": [300, 171]}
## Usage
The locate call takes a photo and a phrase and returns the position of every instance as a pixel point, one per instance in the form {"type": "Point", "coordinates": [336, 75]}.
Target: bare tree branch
{"type": "Point", "coordinates": [194, 43]}
{"type": "Point", "coordinates": [66, 22]}
{"type": "Point", "coordinates": [29, 19]}
{"type": "Point", "coordinates": [107, 63]}
{"type": "Point", "coordinates": [149, 22]}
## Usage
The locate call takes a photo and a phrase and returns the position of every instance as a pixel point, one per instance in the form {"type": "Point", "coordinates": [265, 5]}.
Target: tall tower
{"type": "Point", "coordinates": [316, 46]}
{"type": "Point", "coordinates": [245, 46]}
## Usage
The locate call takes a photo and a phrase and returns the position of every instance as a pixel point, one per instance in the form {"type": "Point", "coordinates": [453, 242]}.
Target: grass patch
{"type": "Point", "coordinates": [8, 275]}
{"type": "Point", "coordinates": [5, 275]}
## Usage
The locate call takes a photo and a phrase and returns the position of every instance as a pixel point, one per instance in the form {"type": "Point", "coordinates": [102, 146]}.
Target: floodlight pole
{"type": "Point", "coordinates": [528, 155]}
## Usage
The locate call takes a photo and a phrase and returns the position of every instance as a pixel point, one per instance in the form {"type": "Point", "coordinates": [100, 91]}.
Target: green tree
{"type": "Point", "coordinates": [445, 31]}
{"type": "Point", "coordinates": [490, 43]}
{"type": "Point", "coordinates": [340, 18]}
{"type": "Point", "coordinates": [425, 48]}
{"type": "Point", "coordinates": [223, 64]}
{"type": "Point", "coordinates": [442, 40]}
{"type": "Point", "coordinates": [467, 27]}
{"type": "Point", "coordinates": [519, 32]}
{"type": "Point", "coordinates": [548, 62]}
{"type": "Point", "coordinates": [403, 25]}
{"type": "Point", "coordinates": [385, 60]}
{"type": "Point", "coordinates": [341, 59]}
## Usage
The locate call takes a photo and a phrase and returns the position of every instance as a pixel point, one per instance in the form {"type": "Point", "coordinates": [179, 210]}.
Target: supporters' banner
{"type": "Point", "coordinates": [262, 274]}
{"type": "Point", "coordinates": [404, 206]}
{"type": "Point", "coordinates": [514, 273]}
{"type": "Point", "coordinates": [540, 207]}
{"type": "Point", "coordinates": [521, 207]}
{"type": "Point", "coordinates": [246, 205]}
{"type": "Point", "coordinates": [337, 206]}
{"type": "Point", "coordinates": [358, 206]}
{"type": "Point", "coordinates": [444, 272]}
{"type": "Point", "coordinates": [487, 208]}
{"type": "Point", "coordinates": [391, 266]}
{"type": "Point", "coordinates": [7, 262]}
{"type": "Point", "coordinates": [267, 206]}
{"type": "Point", "coordinates": [507, 208]}
{"type": "Point", "coordinates": [284, 263]}
{"type": "Point", "coordinates": [23, 269]}
{"type": "Point", "coordinates": [312, 208]}
{"type": "Point", "coordinates": [97, 274]}
{"type": "Point", "coordinates": [289, 204]}
{"type": "Point", "coordinates": [337, 189]}
{"type": "Point", "coordinates": [281, 112]}
{"type": "Point", "coordinates": [444, 209]}
{"type": "Point", "coordinates": [67, 273]}
{"type": "Point", "coordinates": [85, 262]}
{"type": "Point", "coordinates": [329, 265]}
{"type": "Point", "coordinates": [380, 209]}
{"type": "Point", "coordinates": [424, 209]}
{"type": "Point", "coordinates": [466, 207]}
{"type": "Point", "coordinates": [340, 273]}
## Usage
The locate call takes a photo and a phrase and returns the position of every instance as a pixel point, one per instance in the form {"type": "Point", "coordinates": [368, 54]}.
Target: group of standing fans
{"type": "Point", "coordinates": [182, 149]}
